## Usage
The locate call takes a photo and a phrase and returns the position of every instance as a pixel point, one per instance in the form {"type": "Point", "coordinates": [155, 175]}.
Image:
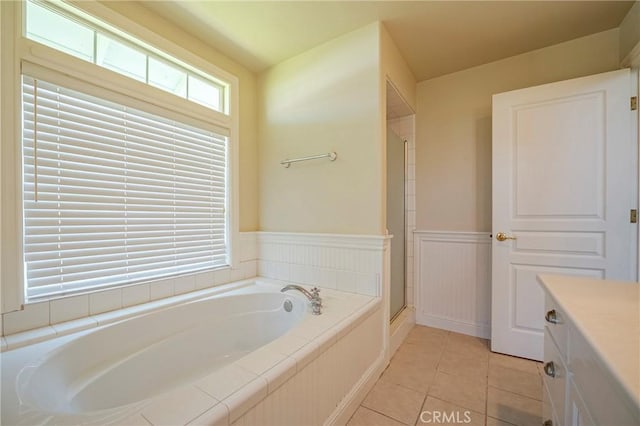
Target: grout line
{"type": "Point", "coordinates": [515, 393]}
{"type": "Point", "coordinates": [382, 414]}
{"type": "Point", "coordinates": [426, 394]}
{"type": "Point", "coordinates": [424, 400]}
{"type": "Point", "coordinates": [487, 386]}
{"type": "Point", "coordinates": [502, 421]}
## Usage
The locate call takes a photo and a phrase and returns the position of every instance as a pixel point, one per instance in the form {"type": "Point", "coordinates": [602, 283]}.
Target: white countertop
{"type": "Point", "coordinates": [607, 314]}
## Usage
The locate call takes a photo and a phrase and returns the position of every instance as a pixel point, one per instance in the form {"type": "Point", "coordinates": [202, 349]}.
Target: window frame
{"type": "Point", "coordinates": [17, 49]}
{"type": "Point", "coordinates": [99, 27]}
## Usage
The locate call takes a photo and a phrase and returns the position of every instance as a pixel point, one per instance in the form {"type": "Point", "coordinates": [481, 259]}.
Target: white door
{"type": "Point", "coordinates": [563, 187]}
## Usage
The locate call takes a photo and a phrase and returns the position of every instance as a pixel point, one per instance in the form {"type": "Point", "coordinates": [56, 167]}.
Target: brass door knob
{"type": "Point", "coordinates": [501, 236]}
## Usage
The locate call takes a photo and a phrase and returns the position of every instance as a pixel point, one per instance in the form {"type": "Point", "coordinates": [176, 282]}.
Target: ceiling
{"type": "Point", "coordinates": [434, 37]}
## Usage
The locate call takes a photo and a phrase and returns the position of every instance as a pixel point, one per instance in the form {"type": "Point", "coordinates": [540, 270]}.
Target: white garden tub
{"type": "Point", "coordinates": [209, 348]}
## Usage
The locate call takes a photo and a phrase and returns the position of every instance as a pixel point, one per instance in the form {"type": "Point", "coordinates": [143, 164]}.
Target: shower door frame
{"type": "Point", "coordinates": [393, 316]}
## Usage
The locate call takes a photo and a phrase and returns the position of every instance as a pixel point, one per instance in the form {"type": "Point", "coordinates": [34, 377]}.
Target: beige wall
{"type": "Point", "coordinates": [630, 31]}
{"type": "Point", "coordinates": [453, 126]}
{"type": "Point", "coordinates": [393, 68]}
{"type": "Point", "coordinates": [248, 112]}
{"type": "Point", "coordinates": [325, 99]}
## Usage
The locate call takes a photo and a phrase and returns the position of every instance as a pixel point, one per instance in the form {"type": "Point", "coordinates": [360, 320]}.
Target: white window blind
{"type": "Point", "coordinates": [114, 195]}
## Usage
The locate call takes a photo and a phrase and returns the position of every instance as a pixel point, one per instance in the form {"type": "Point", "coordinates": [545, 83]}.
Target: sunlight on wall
{"type": "Point", "coordinates": [326, 99]}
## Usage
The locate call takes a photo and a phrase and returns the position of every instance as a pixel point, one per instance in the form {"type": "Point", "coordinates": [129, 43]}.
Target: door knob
{"type": "Point", "coordinates": [550, 369]}
{"type": "Point", "coordinates": [501, 236]}
{"type": "Point", "coordinates": [552, 317]}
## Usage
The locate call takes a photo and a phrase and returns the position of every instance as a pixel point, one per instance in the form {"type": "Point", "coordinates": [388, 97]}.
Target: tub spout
{"type": "Point", "coordinates": [313, 296]}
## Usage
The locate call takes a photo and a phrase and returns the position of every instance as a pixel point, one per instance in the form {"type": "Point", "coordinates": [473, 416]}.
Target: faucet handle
{"type": "Point", "coordinates": [316, 301]}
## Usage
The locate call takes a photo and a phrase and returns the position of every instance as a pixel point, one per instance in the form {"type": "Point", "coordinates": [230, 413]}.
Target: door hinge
{"type": "Point", "coordinates": [633, 216]}
{"type": "Point", "coordinates": [634, 103]}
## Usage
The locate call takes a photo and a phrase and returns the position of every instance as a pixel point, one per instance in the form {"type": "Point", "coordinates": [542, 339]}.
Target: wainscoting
{"type": "Point", "coordinates": [352, 263]}
{"type": "Point", "coordinates": [453, 281]}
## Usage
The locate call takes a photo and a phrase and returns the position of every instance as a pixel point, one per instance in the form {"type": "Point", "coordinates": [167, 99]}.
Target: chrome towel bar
{"type": "Point", "coordinates": [330, 155]}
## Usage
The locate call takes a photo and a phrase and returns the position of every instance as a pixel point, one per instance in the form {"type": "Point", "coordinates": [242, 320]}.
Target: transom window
{"type": "Point", "coordinates": [59, 28]}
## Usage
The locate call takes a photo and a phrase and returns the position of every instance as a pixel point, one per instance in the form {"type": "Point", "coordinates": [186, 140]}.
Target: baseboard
{"type": "Point", "coordinates": [471, 329]}
{"type": "Point", "coordinates": [354, 398]}
{"type": "Point", "coordinates": [400, 328]}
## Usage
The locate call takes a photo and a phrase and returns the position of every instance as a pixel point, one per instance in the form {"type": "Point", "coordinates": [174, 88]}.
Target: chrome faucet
{"type": "Point", "coordinates": [313, 296]}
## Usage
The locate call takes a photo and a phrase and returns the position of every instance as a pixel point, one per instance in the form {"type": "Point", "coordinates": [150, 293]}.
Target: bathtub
{"type": "Point", "coordinates": [211, 355]}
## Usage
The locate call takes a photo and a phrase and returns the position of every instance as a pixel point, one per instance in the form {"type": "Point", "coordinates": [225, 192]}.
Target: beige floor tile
{"type": "Point", "coordinates": [465, 366]}
{"type": "Point", "coordinates": [513, 408]}
{"type": "Point", "coordinates": [433, 344]}
{"type": "Point", "coordinates": [469, 346]}
{"type": "Point", "coordinates": [409, 375]}
{"type": "Point", "coordinates": [365, 417]}
{"type": "Point", "coordinates": [420, 334]}
{"type": "Point", "coordinates": [426, 330]}
{"type": "Point", "coordinates": [419, 337]}
{"type": "Point", "coordinates": [516, 381]}
{"type": "Point", "coordinates": [397, 402]}
{"type": "Point", "coordinates": [463, 391]}
{"type": "Point", "coordinates": [437, 411]}
{"type": "Point", "coordinates": [426, 357]}
{"type": "Point", "coordinates": [462, 365]}
{"type": "Point", "coordinates": [497, 422]}
{"type": "Point", "coordinates": [472, 340]}
{"type": "Point", "coordinates": [522, 364]}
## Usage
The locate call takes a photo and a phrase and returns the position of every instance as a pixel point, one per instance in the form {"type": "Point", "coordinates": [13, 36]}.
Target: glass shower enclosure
{"type": "Point", "coordinates": [396, 225]}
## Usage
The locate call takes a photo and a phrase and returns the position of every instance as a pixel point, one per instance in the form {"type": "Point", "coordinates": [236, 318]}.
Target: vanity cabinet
{"type": "Point", "coordinates": [591, 352]}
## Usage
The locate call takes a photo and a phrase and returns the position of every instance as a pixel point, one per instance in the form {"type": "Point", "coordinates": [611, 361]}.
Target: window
{"type": "Point", "coordinates": [67, 32]}
{"type": "Point", "coordinates": [114, 195]}
{"type": "Point", "coordinates": [119, 184]}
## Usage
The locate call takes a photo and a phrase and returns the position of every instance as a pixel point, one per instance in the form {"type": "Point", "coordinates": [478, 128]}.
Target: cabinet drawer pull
{"type": "Point", "coordinates": [547, 423]}
{"type": "Point", "coordinates": [550, 369]}
{"type": "Point", "coordinates": [551, 316]}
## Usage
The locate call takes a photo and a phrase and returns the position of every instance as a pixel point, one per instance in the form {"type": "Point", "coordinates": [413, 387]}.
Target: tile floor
{"type": "Point", "coordinates": [443, 378]}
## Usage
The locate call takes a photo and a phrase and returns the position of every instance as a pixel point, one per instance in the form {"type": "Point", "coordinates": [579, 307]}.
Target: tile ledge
{"type": "Point", "coordinates": [48, 332]}
{"type": "Point", "coordinates": [24, 338]}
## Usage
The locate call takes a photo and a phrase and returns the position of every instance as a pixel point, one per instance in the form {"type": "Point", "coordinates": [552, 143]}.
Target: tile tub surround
{"type": "Point", "coordinates": [351, 263]}
{"type": "Point", "coordinates": [438, 371]}
{"type": "Point", "coordinates": [51, 313]}
{"type": "Point", "coordinates": [56, 330]}
{"type": "Point", "coordinates": [327, 390]}
{"type": "Point", "coordinates": [350, 322]}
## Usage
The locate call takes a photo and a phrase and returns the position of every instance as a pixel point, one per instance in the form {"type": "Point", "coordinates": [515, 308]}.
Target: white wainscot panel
{"type": "Point", "coordinates": [453, 281]}
{"type": "Point", "coordinates": [352, 263]}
